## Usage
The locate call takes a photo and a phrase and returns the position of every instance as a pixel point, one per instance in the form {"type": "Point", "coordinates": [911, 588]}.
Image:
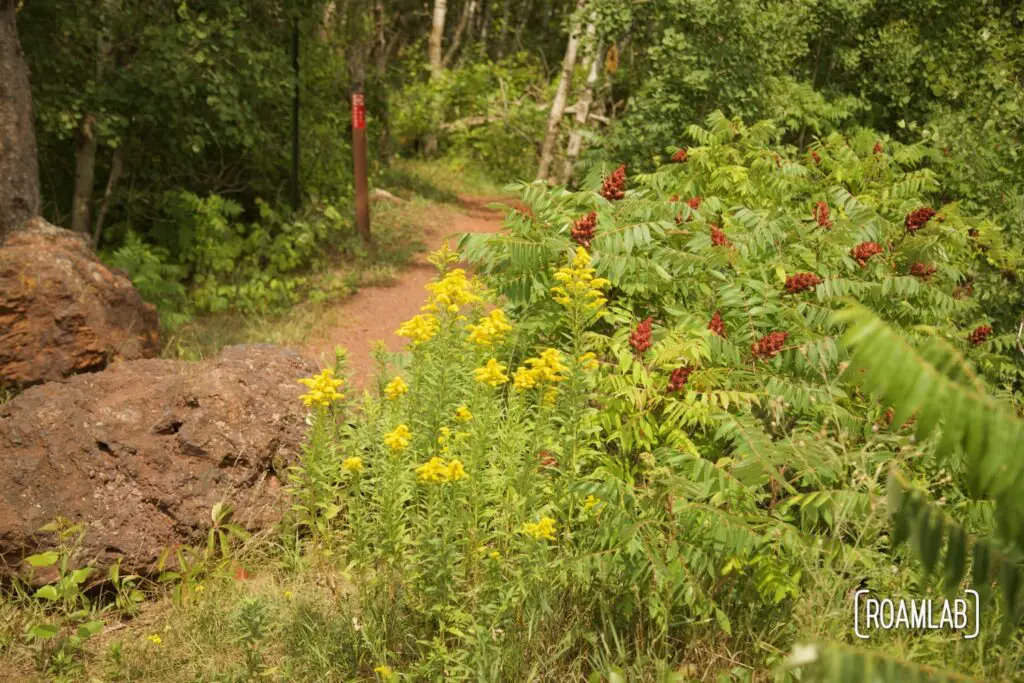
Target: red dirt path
{"type": "Point", "coordinates": [374, 313]}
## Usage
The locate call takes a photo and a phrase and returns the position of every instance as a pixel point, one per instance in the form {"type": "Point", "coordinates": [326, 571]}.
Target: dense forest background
{"type": "Point", "coordinates": [164, 130]}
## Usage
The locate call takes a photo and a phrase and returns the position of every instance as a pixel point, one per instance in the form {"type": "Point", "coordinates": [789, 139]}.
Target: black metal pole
{"type": "Point", "coordinates": [296, 200]}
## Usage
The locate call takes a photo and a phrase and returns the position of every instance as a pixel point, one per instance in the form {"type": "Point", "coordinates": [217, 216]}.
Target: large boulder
{"type": "Point", "coordinates": [63, 312]}
{"type": "Point", "coordinates": [142, 451]}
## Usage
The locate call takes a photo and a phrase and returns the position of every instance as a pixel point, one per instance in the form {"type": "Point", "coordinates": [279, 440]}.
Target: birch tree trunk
{"type": "Point", "coordinates": [434, 53]}
{"type": "Point", "coordinates": [19, 170]}
{"type": "Point", "coordinates": [572, 152]}
{"type": "Point", "coordinates": [558, 104]}
{"type": "Point", "coordinates": [436, 58]}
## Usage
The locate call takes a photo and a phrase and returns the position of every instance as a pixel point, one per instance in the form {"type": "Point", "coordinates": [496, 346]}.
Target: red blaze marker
{"type": "Point", "coordinates": [358, 110]}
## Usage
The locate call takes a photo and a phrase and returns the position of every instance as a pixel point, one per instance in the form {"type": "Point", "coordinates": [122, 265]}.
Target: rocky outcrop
{"type": "Point", "coordinates": [63, 312]}
{"type": "Point", "coordinates": [142, 451]}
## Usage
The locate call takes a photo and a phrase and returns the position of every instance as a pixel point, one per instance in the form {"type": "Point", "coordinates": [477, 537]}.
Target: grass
{"type": "Point", "coordinates": [439, 180]}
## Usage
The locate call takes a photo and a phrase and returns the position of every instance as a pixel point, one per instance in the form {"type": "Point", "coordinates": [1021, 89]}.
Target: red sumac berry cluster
{"type": "Point", "coordinates": [769, 345]}
{"type": "Point", "coordinates": [680, 156]}
{"type": "Point", "coordinates": [800, 282]}
{"type": "Point", "coordinates": [717, 326]}
{"type": "Point", "coordinates": [614, 186]}
{"type": "Point", "coordinates": [679, 377]}
{"type": "Point", "coordinates": [640, 339]}
{"type": "Point", "coordinates": [980, 334]}
{"type": "Point", "coordinates": [864, 251]}
{"type": "Point", "coordinates": [878, 147]}
{"type": "Point", "coordinates": [821, 215]}
{"type": "Point", "coordinates": [922, 271]}
{"type": "Point", "coordinates": [547, 459]}
{"type": "Point", "coordinates": [694, 202]}
{"type": "Point", "coordinates": [718, 237]}
{"type": "Point", "coordinates": [963, 291]}
{"type": "Point", "coordinates": [816, 157]}
{"type": "Point", "coordinates": [918, 218]}
{"type": "Point", "coordinates": [583, 229]}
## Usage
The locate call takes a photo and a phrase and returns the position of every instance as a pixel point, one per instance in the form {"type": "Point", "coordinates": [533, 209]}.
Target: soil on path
{"type": "Point", "coordinates": [374, 313]}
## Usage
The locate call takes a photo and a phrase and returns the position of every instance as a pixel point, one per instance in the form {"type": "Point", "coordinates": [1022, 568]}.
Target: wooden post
{"type": "Point", "coordinates": [359, 164]}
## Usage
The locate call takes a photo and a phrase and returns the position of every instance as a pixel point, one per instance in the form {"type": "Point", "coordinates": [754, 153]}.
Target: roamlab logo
{"type": "Point", "coordinates": [884, 614]}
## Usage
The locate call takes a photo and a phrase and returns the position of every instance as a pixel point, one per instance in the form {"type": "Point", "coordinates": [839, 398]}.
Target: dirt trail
{"type": "Point", "coordinates": [374, 313]}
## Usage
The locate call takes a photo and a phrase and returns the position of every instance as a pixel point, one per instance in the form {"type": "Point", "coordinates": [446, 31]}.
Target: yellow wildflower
{"type": "Point", "coordinates": [493, 373]}
{"type": "Point", "coordinates": [200, 588]}
{"type": "Point", "coordinates": [398, 439]}
{"type": "Point", "coordinates": [588, 361]}
{"type": "Point", "coordinates": [550, 397]}
{"type": "Point", "coordinates": [495, 555]}
{"type": "Point", "coordinates": [491, 328]}
{"type": "Point", "coordinates": [442, 435]}
{"type": "Point", "coordinates": [546, 368]}
{"type": "Point", "coordinates": [542, 530]}
{"type": "Point", "coordinates": [524, 378]}
{"type": "Point", "coordinates": [353, 464]}
{"type": "Point", "coordinates": [577, 282]}
{"type": "Point", "coordinates": [591, 502]}
{"type": "Point", "coordinates": [456, 470]}
{"type": "Point", "coordinates": [451, 292]}
{"type": "Point", "coordinates": [437, 471]}
{"type": "Point", "coordinates": [420, 328]}
{"type": "Point", "coordinates": [396, 387]}
{"type": "Point", "coordinates": [155, 639]}
{"type": "Point", "coordinates": [462, 414]}
{"type": "Point", "coordinates": [323, 389]}
{"type": "Point", "coordinates": [384, 671]}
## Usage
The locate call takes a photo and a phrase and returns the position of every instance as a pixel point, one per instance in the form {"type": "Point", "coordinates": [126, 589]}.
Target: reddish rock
{"type": "Point", "coordinates": [63, 312]}
{"type": "Point", "coordinates": [141, 452]}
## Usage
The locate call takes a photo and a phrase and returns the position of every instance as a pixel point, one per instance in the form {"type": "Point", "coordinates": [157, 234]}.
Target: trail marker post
{"type": "Point", "coordinates": [359, 164]}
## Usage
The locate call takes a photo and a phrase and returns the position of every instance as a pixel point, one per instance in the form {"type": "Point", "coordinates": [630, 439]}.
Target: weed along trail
{"type": "Point", "coordinates": [374, 313]}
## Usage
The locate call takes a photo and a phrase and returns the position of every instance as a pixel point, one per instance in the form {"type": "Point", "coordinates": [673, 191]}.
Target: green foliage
{"type": "Point", "coordinates": [489, 112]}
{"type": "Point", "coordinates": [158, 280]}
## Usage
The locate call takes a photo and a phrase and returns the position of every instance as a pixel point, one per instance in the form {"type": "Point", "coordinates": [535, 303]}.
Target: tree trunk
{"type": "Point", "coordinates": [558, 104]}
{"type": "Point", "coordinates": [436, 60]}
{"type": "Point", "coordinates": [85, 172]}
{"type": "Point", "coordinates": [381, 61]}
{"type": "Point", "coordinates": [467, 16]}
{"type": "Point", "coordinates": [19, 170]}
{"type": "Point", "coordinates": [116, 168]}
{"type": "Point", "coordinates": [436, 36]}
{"type": "Point", "coordinates": [572, 152]}
{"type": "Point", "coordinates": [506, 22]}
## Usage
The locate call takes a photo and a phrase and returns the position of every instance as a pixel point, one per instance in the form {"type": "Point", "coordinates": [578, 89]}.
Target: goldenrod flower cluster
{"type": "Point", "coordinates": [396, 388]}
{"type": "Point", "coordinates": [578, 283]}
{"type": "Point", "coordinates": [451, 292]}
{"type": "Point", "coordinates": [592, 502]}
{"type": "Point", "coordinates": [398, 439]}
{"type": "Point", "coordinates": [438, 471]}
{"type": "Point", "coordinates": [462, 414]}
{"type": "Point", "coordinates": [546, 368]}
{"type": "Point", "coordinates": [420, 328]}
{"type": "Point", "coordinates": [588, 361]}
{"type": "Point", "coordinates": [493, 373]}
{"type": "Point", "coordinates": [384, 671]}
{"type": "Point", "coordinates": [155, 639]}
{"type": "Point", "coordinates": [542, 530]}
{"type": "Point", "coordinates": [323, 389]}
{"type": "Point", "coordinates": [491, 329]}
{"type": "Point", "coordinates": [353, 464]}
